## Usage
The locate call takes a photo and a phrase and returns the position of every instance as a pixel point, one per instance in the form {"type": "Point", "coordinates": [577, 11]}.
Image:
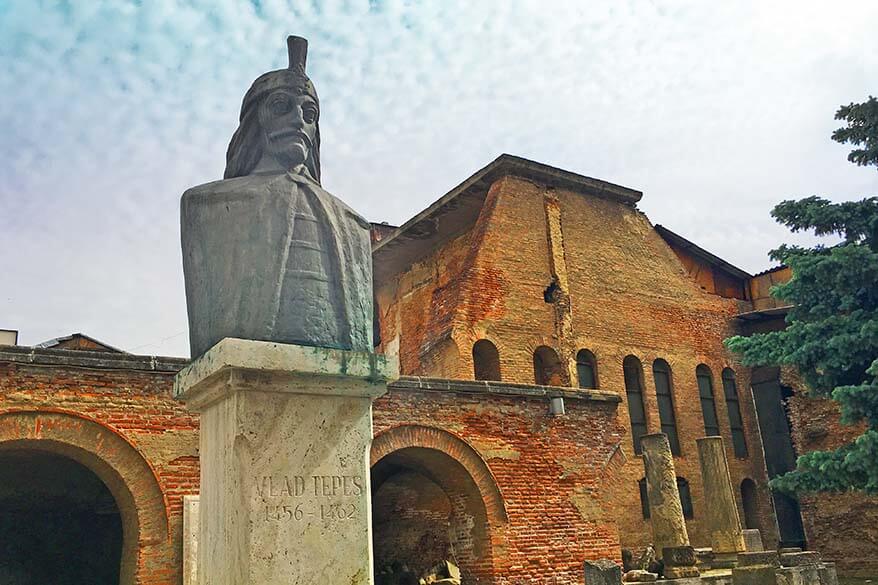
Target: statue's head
{"type": "Point", "coordinates": [278, 126]}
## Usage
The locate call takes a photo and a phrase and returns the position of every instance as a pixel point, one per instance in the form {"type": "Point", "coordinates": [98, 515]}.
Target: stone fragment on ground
{"type": "Point", "coordinates": [639, 576]}
{"type": "Point", "coordinates": [602, 572]}
{"type": "Point", "coordinates": [445, 573]}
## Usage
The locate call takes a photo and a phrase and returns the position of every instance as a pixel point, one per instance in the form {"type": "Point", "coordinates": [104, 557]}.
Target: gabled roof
{"type": "Point", "coordinates": [74, 336]}
{"type": "Point", "coordinates": [679, 241]}
{"type": "Point", "coordinates": [457, 210]}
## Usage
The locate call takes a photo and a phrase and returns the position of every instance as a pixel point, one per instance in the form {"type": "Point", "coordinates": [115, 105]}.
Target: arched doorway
{"type": "Point", "coordinates": [433, 499]}
{"type": "Point", "coordinates": [39, 436]}
{"type": "Point", "coordinates": [58, 522]}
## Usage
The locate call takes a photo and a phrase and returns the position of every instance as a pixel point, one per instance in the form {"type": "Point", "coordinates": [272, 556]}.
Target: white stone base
{"type": "Point", "coordinates": [285, 437]}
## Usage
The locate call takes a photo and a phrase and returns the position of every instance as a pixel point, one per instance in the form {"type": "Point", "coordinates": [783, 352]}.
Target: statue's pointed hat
{"type": "Point", "coordinates": [293, 76]}
{"type": "Point", "coordinates": [239, 162]}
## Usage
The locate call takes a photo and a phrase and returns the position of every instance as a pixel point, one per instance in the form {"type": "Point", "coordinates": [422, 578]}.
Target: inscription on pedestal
{"type": "Point", "coordinates": [299, 498]}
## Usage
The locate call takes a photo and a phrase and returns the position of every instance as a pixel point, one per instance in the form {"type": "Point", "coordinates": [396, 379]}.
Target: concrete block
{"type": "Point", "coordinates": [602, 572]}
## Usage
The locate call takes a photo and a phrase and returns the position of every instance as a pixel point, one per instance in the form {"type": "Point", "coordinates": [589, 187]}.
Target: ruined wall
{"type": "Point", "coordinates": [616, 289]}
{"type": "Point", "coordinates": [842, 526]}
{"type": "Point", "coordinates": [549, 470]}
{"type": "Point", "coordinates": [129, 397]}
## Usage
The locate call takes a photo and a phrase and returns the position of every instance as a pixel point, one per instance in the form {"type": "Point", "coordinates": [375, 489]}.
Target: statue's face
{"type": "Point", "coordinates": [289, 122]}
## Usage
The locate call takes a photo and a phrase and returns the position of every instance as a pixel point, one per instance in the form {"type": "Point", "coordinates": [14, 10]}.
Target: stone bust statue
{"type": "Point", "coordinates": [267, 253]}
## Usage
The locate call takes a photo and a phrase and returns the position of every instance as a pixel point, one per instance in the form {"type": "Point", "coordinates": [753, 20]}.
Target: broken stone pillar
{"type": "Point", "coordinates": [284, 447]}
{"type": "Point", "coordinates": [602, 572]}
{"type": "Point", "coordinates": [679, 562]}
{"type": "Point", "coordinates": [723, 522]}
{"type": "Point", "coordinates": [753, 540]}
{"type": "Point", "coordinates": [665, 510]}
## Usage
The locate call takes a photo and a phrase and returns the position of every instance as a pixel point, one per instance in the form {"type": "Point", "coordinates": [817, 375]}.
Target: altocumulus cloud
{"type": "Point", "coordinates": [111, 109]}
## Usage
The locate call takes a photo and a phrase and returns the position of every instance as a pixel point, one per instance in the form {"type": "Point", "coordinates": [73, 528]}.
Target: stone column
{"type": "Point", "coordinates": [284, 448]}
{"type": "Point", "coordinates": [665, 510]}
{"type": "Point", "coordinates": [723, 522]}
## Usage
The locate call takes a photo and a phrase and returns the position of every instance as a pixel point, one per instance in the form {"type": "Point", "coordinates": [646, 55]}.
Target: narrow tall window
{"type": "Point", "coordinates": [685, 497]}
{"type": "Point", "coordinates": [548, 370]}
{"type": "Point", "coordinates": [486, 361]}
{"type": "Point", "coordinates": [730, 389]}
{"type": "Point", "coordinates": [587, 369]}
{"type": "Point", "coordinates": [708, 407]}
{"type": "Point", "coordinates": [634, 391]}
{"type": "Point", "coordinates": [661, 371]}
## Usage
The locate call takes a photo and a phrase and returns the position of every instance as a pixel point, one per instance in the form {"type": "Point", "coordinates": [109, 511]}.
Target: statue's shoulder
{"type": "Point", "coordinates": [346, 210]}
{"type": "Point", "coordinates": [225, 188]}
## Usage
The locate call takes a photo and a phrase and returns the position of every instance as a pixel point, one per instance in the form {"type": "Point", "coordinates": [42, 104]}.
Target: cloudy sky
{"type": "Point", "coordinates": [110, 110]}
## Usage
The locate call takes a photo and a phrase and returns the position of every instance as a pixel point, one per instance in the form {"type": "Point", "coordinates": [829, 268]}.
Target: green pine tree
{"type": "Point", "coordinates": [831, 336]}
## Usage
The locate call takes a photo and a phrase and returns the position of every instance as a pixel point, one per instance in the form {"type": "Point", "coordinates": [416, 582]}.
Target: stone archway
{"type": "Point", "coordinates": [129, 478]}
{"type": "Point", "coordinates": [433, 496]}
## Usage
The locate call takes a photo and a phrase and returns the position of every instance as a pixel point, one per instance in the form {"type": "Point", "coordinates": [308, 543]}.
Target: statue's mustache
{"type": "Point", "coordinates": [290, 133]}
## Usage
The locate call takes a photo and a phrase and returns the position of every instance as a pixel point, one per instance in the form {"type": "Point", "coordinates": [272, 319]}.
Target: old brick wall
{"type": "Point", "coordinates": [621, 291]}
{"type": "Point", "coordinates": [842, 526]}
{"type": "Point", "coordinates": [549, 470]}
{"type": "Point", "coordinates": [129, 399]}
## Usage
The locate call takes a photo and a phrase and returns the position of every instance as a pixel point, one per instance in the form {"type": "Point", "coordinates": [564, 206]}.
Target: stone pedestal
{"type": "Point", "coordinates": [284, 449]}
{"type": "Point", "coordinates": [723, 522]}
{"type": "Point", "coordinates": [665, 510]}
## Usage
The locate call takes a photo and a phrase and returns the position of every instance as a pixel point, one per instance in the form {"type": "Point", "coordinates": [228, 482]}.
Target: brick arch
{"type": "Point", "coordinates": [417, 436]}
{"type": "Point", "coordinates": [129, 477]}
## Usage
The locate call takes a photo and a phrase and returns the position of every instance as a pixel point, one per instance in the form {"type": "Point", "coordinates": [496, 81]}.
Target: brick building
{"type": "Point", "coordinates": [524, 285]}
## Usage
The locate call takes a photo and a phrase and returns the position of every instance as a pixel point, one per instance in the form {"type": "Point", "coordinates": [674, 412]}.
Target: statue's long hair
{"type": "Point", "coordinates": [245, 149]}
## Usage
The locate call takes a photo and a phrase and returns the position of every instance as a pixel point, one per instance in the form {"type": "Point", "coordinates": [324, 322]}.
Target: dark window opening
{"type": "Point", "coordinates": [486, 361]}
{"type": "Point", "coordinates": [770, 398]}
{"type": "Point", "coordinates": [733, 406]}
{"type": "Point", "coordinates": [708, 407]}
{"type": "Point", "coordinates": [661, 371]}
{"type": "Point", "coordinates": [548, 370]}
{"type": "Point", "coordinates": [633, 371]}
{"type": "Point", "coordinates": [550, 295]}
{"type": "Point", "coordinates": [685, 498]}
{"type": "Point", "coordinates": [587, 369]}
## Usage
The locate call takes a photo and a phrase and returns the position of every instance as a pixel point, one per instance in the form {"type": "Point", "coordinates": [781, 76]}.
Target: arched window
{"type": "Point", "coordinates": [587, 369]}
{"type": "Point", "coordinates": [634, 391]}
{"type": "Point", "coordinates": [486, 361]}
{"type": "Point", "coordinates": [748, 498]}
{"type": "Point", "coordinates": [644, 498]}
{"type": "Point", "coordinates": [730, 389]}
{"type": "Point", "coordinates": [548, 370]}
{"type": "Point", "coordinates": [661, 371]}
{"type": "Point", "coordinates": [685, 497]}
{"type": "Point", "coordinates": [708, 407]}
